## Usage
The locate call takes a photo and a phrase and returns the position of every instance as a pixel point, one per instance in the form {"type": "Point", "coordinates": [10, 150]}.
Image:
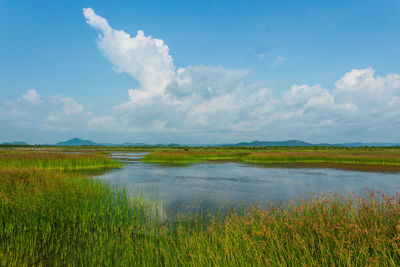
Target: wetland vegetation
{"type": "Point", "coordinates": [373, 158]}
{"type": "Point", "coordinates": [52, 217]}
{"type": "Point", "coordinates": [55, 160]}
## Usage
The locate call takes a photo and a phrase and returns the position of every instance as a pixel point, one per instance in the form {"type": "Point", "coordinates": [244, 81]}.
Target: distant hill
{"type": "Point", "coordinates": [133, 144]}
{"type": "Point", "coordinates": [294, 143]}
{"type": "Point", "coordinates": [77, 142]}
{"type": "Point", "coordinates": [289, 143]}
{"type": "Point", "coordinates": [17, 143]}
{"type": "Point", "coordinates": [274, 143]}
{"type": "Point", "coordinates": [172, 144]}
{"type": "Point", "coordinates": [376, 144]}
{"type": "Point", "coordinates": [81, 142]}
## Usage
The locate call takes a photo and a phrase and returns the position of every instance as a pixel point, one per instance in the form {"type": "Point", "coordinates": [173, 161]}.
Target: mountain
{"type": "Point", "coordinates": [77, 142]}
{"type": "Point", "coordinates": [302, 143]}
{"type": "Point", "coordinates": [375, 144]}
{"type": "Point", "coordinates": [133, 144]}
{"type": "Point", "coordinates": [124, 144]}
{"type": "Point", "coordinates": [289, 143]}
{"type": "Point", "coordinates": [81, 142]}
{"type": "Point", "coordinates": [274, 143]}
{"type": "Point", "coordinates": [172, 144]}
{"type": "Point", "coordinates": [18, 143]}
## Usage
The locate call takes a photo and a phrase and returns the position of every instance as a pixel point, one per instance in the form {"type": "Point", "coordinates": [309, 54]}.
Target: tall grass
{"type": "Point", "coordinates": [320, 157]}
{"type": "Point", "coordinates": [59, 161]}
{"type": "Point", "coordinates": [191, 156]}
{"type": "Point", "coordinates": [56, 218]}
{"type": "Point", "coordinates": [53, 218]}
{"type": "Point", "coordinates": [342, 157]}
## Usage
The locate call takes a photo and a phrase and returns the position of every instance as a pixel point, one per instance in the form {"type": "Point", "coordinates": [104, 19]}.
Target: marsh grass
{"type": "Point", "coordinates": [321, 157]}
{"type": "Point", "coordinates": [50, 217]}
{"type": "Point", "coordinates": [349, 157]}
{"type": "Point", "coordinates": [54, 160]}
{"type": "Point", "coordinates": [53, 218]}
{"type": "Point", "coordinates": [191, 156]}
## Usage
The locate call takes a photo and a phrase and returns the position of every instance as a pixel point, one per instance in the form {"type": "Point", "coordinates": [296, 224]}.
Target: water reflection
{"type": "Point", "coordinates": [210, 185]}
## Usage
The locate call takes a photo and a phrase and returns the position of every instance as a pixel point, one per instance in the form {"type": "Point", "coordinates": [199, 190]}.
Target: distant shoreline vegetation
{"type": "Point", "coordinates": [354, 156]}
{"type": "Point", "coordinates": [78, 142]}
{"type": "Point", "coordinates": [56, 160]}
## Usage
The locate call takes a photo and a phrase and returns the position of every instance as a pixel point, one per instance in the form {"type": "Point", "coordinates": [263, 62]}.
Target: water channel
{"type": "Point", "coordinates": [220, 184]}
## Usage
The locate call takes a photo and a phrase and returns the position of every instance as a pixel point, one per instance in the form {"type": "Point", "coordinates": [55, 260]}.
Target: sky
{"type": "Point", "coordinates": [200, 72]}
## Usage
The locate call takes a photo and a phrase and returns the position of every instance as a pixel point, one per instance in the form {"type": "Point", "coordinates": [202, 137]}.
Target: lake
{"type": "Point", "coordinates": [208, 185]}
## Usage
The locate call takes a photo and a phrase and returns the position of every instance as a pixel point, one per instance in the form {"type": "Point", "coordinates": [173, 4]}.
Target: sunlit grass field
{"type": "Point", "coordinates": [49, 217]}
{"type": "Point", "coordinates": [337, 156]}
{"type": "Point", "coordinates": [55, 160]}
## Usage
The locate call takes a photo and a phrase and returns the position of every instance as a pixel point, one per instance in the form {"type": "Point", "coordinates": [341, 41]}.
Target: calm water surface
{"type": "Point", "coordinates": [210, 184]}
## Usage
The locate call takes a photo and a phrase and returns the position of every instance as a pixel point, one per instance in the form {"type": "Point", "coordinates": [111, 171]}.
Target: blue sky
{"type": "Point", "coordinates": [226, 71]}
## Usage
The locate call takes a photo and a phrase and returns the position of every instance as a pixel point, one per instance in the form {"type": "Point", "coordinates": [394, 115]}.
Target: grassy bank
{"type": "Point", "coordinates": [356, 156]}
{"type": "Point", "coordinates": [323, 157]}
{"type": "Point", "coordinates": [55, 160]}
{"type": "Point", "coordinates": [57, 218]}
{"type": "Point", "coordinates": [53, 218]}
{"type": "Point", "coordinates": [191, 156]}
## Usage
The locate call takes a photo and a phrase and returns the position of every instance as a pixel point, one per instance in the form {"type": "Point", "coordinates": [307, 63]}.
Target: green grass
{"type": "Point", "coordinates": [57, 218]}
{"type": "Point", "coordinates": [191, 156]}
{"type": "Point", "coordinates": [53, 218]}
{"type": "Point", "coordinates": [343, 156]}
{"type": "Point", "coordinates": [56, 160]}
{"type": "Point", "coordinates": [320, 157]}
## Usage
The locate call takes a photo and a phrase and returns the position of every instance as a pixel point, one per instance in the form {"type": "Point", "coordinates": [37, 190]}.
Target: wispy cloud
{"type": "Point", "coordinates": [279, 61]}
{"type": "Point", "coordinates": [30, 96]}
{"type": "Point", "coordinates": [261, 56]}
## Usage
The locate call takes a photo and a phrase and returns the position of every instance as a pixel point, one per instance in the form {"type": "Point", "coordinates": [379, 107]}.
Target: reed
{"type": "Point", "coordinates": [320, 157]}
{"type": "Point", "coordinates": [54, 218]}
{"type": "Point", "coordinates": [358, 157]}
{"type": "Point", "coordinates": [192, 156]}
{"type": "Point", "coordinates": [50, 217]}
{"type": "Point", "coordinates": [53, 160]}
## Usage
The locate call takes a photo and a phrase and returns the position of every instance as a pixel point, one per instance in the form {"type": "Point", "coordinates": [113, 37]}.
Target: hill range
{"type": "Point", "coordinates": [288, 143]}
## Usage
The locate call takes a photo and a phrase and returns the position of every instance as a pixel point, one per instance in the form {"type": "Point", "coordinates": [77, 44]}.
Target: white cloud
{"type": "Point", "coordinates": [29, 113]}
{"type": "Point", "coordinates": [394, 100]}
{"type": "Point", "coordinates": [206, 82]}
{"type": "Point", "coordinates": [279, 61]}
{"type": "Point", "coordinates": [70, 106]}
{"type": "Point", "coordinates": [30, 96]}
{"type": "Point", "coordinates": [146, 58]}
{"type": "Point", "coordinates": [260, 56]}
{"type": "Point", "coordinates": [212, 100]}
{"type": "Point", "coordinates": [204, 104]}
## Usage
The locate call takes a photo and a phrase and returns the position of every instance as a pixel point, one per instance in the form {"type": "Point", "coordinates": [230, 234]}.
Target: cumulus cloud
{"type": "Point", "coordinates": [31, 113]}
{"type": "Point", "coordinates": [215, 100]}
{"type": "Point", "coordinates": [205, 104]}
{"type": "Point", "coordinates": [70, 106]}
{"type": "Point", "coordinates": [30, 96]}
{"type": "Point", "coordinates": [146, 58]}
